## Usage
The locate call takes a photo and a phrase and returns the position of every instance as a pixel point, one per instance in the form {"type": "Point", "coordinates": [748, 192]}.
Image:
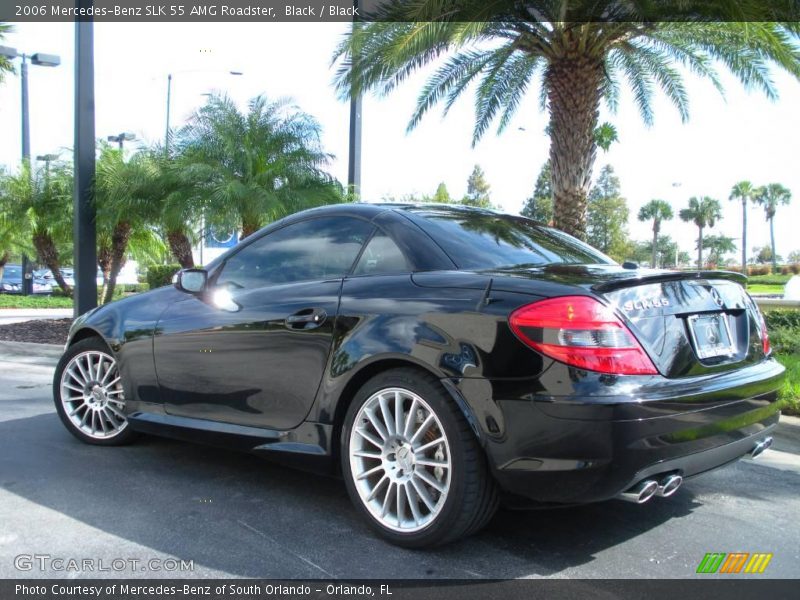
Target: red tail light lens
{"type": "Point", "coordinates": [765, 345]}
{"type": "Point", "coordinates": [581, 332]}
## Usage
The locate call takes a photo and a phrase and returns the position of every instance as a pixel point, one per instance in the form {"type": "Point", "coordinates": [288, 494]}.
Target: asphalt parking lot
{"type": "Point", "coordinates": [233, 515]}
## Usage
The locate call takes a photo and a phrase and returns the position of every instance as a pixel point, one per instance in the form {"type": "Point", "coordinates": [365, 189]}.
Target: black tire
{"type": "Point", "coordinates": [472, 498]}
{"type": "Point", "coordinates": [125, 435]}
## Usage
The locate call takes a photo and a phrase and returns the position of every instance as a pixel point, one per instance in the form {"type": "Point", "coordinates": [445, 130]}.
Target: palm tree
{"type": "Point", "coordinates": [252, 168]}
{"type": "Point", "coordinates": [577, 52]}
{"type": "Point", "coordinates": [5, 64]}
{"type": "Point", "coordinates": [657, 210]}
{"type": "Point", "coordinates": [40, 202]}
{"type": "Point", "coordinates": [127, 212]}
{"type": "Point", "coordinates": [743, 191]}
{"type": "Point", "coordinates": [703, 212]}
{"type": "Point", "coordinates": [770, 197]}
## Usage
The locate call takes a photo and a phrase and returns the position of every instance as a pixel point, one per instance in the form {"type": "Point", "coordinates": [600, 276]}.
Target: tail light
{"type": "Point", "coordinates": [581, 332]}
{"type": "Point", "coordinates": [765, 345]}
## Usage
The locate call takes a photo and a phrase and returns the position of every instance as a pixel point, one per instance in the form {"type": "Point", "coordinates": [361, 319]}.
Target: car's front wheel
{"type": "Point", "coordinates": [88, 394]}
{"type": "Point", "coordinates": [411, 463]}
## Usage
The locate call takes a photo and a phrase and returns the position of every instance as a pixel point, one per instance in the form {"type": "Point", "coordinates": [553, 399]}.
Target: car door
{"type": "Point", "coordinates": [253, 348]}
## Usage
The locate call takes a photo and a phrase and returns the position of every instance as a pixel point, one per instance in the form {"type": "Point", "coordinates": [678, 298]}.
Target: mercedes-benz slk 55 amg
{"type": "Point", "coordinates": [439, 358]}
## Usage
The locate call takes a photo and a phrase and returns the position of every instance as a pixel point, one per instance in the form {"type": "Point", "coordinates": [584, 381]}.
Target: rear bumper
{"type": "Point", "coordinates": [568, 450]}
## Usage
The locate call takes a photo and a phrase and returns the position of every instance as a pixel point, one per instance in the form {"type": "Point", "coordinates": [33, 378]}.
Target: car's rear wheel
{"type": "Point", "coordinates": [411, 463]}
{"type": "Point", "coordinates": [88, 394]}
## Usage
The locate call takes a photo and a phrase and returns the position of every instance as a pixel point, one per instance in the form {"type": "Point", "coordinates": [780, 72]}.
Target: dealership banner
{"type": "Point", "coordinates": [448, 589]}
{"type": "Point", "coordinates": [507, 11]}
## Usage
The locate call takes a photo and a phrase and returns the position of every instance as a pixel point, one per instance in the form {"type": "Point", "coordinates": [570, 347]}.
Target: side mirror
{"type": "Point", "coordinates": [192, 281]}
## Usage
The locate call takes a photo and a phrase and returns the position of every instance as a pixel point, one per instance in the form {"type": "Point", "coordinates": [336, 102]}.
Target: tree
{"type": "Point", "coordinates": [253, 167]}
{"type": "Point", "coordinates": [667, 251]}
{"type": "Point", "coordinates": [127, 212]}
{"type": "Point", "coordinates": [703, 212]}
{"type": "Point", "coordinates": [770, 197]}
{"type": "Point", "coordinates": [40, 202]}
{"type": "Point", "coordinates": [744, 191]}
{"type": "Point", "coordinates": [657, 211]}
{"type": "Point", "coordinates": [5, 64]}
{"type": "Point", "coordinates": [764, 255]}
{"type": "Point", "coordinates": [608, 216]}
{"type": "Point", "coordinates": [794, 257]}
{"type": "Point", "coordinates": [539, 206]}
{"type": "Point", "coordinates": [477, 189]}
{"type": "Point", "coordinates": [718, 246]}
{"type": "Point", "coordinates": [576, 52]}
{"type": "Point", "coordinates": [442, 195]}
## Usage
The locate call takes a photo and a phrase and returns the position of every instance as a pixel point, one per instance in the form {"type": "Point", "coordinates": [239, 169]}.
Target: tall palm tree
{"type": "Point", "coordinates": [252, 168]}
{"type": "Point", "coordinates": [703, 212]}
{"type": "Point", "coordinates": [658, 211]}
{"type": "Point", "coordinates": [576, 51]}
{"type": "Point", "coordinates": [770, 197]}
{"type": "Point", "coordinates": [744, 191]}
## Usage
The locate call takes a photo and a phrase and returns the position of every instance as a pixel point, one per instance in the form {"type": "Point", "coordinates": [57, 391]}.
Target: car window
{"type": "Point", "coordinates": [323, 248]}
{"type": "Point", "coordinates": [381, 256]}
{"type": "Point", "coordinates": [482, 240]}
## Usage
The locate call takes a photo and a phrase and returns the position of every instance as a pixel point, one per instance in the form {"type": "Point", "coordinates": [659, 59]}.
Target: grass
{"type": "Point", "coordinates": [790, 394]}
{"type": "Point", "coordinates": [762, 288]}
{"type": "Point", "coordinates": [769, 279]}
{"type": "Point", "coordinates": [14, 301]}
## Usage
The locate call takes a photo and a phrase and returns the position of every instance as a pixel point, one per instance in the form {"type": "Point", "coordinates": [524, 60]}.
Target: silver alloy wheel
{"type": "Point", "coordinates": [92, 396]}
{"type": "Point", "coordinates": [400, 460]}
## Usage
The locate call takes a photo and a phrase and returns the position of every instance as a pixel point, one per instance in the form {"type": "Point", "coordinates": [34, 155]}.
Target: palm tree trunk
{"type": "Point", "coordinates": [248, 229]}
{"type": "Point", "coordinates": [573, 93]}
{"type": "Point", "coordinates": [104, 262]}
{"type": "Point", "coordinates": [119, 246]}
{"type": "Point", "coordinates": [700, 249]}
{"type": "Point", "coordinates": [744, 235]}
{"type": "Point", "coordinates": [3, 260]}
{"type": "Point", "coordinates": [48, 254]}
{"type": "Point", "coordinates": [772, 244]}
{"type": "Point", "coordinates": [181, 248]}
{"type": "Point", "coordinates": [654, 262]}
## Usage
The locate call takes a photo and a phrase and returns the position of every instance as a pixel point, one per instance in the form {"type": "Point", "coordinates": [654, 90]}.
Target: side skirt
{"type": "Point", "coordinates": [307, 447]}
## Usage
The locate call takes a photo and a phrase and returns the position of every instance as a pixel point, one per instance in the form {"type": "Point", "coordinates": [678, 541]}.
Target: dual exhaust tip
{"type": "Point", "coordinates": [759, 448]}
{"type": "Point", "coordinates": [669, 484]}
{"type": "Point", "coordinates": [646, 489]}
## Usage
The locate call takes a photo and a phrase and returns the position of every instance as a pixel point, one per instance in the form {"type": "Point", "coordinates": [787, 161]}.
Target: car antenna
{"type": "Point", "coordinates": [485, 299]}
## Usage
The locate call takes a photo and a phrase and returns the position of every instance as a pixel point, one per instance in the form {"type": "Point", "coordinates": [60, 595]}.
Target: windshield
{"type": "Point", "coordinates": [477, 240]}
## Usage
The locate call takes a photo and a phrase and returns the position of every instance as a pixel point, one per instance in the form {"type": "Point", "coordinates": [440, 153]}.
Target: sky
{"type": "Point", "coordinates": [727, 139]}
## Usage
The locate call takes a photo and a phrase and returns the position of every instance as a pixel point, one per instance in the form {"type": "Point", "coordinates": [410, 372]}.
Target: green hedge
{"type": "Point", "coordinates": [161, 275]}
{"type": "Point", "coordinates": [782, 319]}
{"type": "Point", "coordinates": [769, 279]}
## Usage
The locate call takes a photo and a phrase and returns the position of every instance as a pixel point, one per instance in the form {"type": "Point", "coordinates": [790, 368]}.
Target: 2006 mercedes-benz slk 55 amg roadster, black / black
{"type": "Point", "coordinates": [438, 357]}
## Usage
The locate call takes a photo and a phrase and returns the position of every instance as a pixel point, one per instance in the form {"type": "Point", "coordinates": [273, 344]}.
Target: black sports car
{"type": "Point", "coordinates": [437, 357]}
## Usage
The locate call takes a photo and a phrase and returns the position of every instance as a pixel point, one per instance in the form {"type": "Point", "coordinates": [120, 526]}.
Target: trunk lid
{"type": "Point", "coordinates": [689, 323]}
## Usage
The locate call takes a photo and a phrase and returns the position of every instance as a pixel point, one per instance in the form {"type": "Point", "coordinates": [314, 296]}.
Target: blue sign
{"type": "Point", "coordinates": [217, 238]}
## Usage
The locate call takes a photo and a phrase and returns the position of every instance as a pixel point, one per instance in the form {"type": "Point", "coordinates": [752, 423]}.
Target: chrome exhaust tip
{"type": "Point", "coordinates": [669, 485]}
{"type": "Point", "coordinates": [759, 448]}
{"type": "Point", "coordinates": [641, 492]}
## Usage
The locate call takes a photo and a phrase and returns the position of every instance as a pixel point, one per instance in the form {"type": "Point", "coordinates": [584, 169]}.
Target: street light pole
{"type": "Point", "coordinates": [85, 233]}
{"type": "Point", "coordinates": [354, 146]}
{"type": "Point", "coordinates": [121, 138]}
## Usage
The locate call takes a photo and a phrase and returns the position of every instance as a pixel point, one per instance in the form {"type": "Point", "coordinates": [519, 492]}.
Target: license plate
{"type": "Point", "coordinates": [711, 336]}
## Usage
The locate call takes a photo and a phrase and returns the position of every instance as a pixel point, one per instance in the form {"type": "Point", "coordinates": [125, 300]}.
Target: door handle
{"type": "Point", "coordinates": [308, 318]}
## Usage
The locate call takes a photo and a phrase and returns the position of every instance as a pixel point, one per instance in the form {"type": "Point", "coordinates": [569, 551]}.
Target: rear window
{"type": "Point", "coordinates": [477, 240]}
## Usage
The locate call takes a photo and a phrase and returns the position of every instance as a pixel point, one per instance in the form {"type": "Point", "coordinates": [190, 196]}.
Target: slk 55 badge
{"type": "Point", "coordinates": [645, 304]}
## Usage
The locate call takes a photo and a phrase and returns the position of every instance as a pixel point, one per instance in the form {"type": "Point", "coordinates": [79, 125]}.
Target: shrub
{"type": "Point", "coordinates": [782, 319]}
{"type": "Point", "coordinates": [759, 270]}
{"type": "Point", "coordinates": [161, 275]}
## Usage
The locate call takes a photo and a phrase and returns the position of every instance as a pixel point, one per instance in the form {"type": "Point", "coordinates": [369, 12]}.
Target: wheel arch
{"type": "Point", "coordinates": [85, 333]}
{"type": "Point", "coordinates": [380, 365]}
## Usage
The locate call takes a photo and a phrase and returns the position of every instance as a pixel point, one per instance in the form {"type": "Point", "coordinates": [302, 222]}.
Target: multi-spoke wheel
{"type": "Point", "coordinates": [89, 396]}
{"type": "Point", "coordinates": [412, 463]}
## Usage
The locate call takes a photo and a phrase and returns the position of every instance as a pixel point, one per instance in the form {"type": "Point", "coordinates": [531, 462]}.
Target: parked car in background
{"type": "Point", "coordinates": [68, 273]}
{"type": "Point", "coordinates": [11, 282]}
